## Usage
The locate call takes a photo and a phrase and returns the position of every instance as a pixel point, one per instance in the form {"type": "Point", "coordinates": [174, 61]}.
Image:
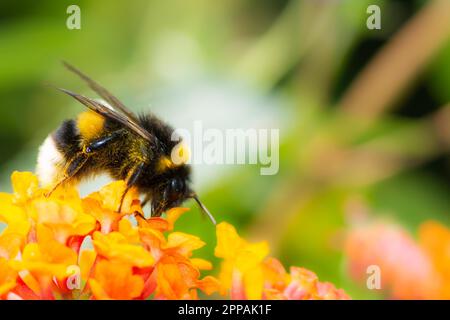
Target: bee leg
{"type": "Point", "coordinates": [77, 163]}
{"type": "Point", "coordinates": [143, 203]}
{"type": "Point", "coordinates": [102, 142]}
{"type": "Point", "coordinates": [146, 200]}
{"type": "Point", "coordinates": [131, 181]}
{"type": "Point", "coordinates": [74, 166]}
{"type": "Point", "coordinates": [49, 193]}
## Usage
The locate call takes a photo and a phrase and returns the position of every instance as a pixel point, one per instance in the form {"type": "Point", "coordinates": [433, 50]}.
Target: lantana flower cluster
{"type": "Point", "coordinates": [67, 247]}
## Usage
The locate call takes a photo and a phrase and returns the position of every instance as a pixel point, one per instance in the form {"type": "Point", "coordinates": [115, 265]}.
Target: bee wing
{"type": "Point", "coordinates": [110, 113]}
{"type": "Point", "coordinates": [102, 92]}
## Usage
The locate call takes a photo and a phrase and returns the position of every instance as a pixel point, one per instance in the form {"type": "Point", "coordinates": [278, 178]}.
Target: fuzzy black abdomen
{"type": "Point", "coordinates": [110, 158]}
{"type": "Point", "coordinates": [67, 139]}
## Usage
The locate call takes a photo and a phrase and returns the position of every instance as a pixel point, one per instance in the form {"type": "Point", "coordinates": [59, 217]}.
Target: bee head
{"type": "Point", "coordinates": [170, 194]}
{"type": "Point", "coordinates": [173, 193]}
{"type": "Point", "coordinates": [175, 189]}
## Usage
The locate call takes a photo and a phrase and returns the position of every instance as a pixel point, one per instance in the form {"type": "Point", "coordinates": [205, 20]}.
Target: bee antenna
{"type": "Point", "coordinates": [204, 209]}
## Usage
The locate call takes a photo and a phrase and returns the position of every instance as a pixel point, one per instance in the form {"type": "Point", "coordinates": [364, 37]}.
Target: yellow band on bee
{"type": "Point", "coordinates": [180, 155]}
{"type": "Point", "coordinates": [164, 164]}
{"type": "Point", "coordinates": [90, 124]}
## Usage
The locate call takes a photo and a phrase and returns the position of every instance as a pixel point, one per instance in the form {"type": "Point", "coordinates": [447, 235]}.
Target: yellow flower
{"type": "Point", "coordinates": [242, 266]}
{"type": "Point", "coordinates": [247, 272]}
{"type": "Point", "coordinates": [12, 211]}
{"type": "Point", "coordinates": [8, 277]}
{"type": "Point", "coordinates": [25, 187]}
{"type": "Point", "coordinates": [14, 236]}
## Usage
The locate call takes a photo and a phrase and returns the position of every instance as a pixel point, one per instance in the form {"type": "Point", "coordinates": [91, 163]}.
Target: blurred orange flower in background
{"type": "Point", "coordinates": [67, 247]}
{"type": "Point", "coordinates": [409, 269]}
{"type": "Point", "coordinates": [434, 239]}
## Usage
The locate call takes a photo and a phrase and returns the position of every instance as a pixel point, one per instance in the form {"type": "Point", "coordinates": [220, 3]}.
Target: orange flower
{"type": "Point", "coordinates": [176, 274]}
{"type": "Point", "coordinates": [115, 281]}
{"type": "Point", "coordinates": [64, 219]}
{"type": "Point", "coordinates": [305, 285]}
{"type": "Point", "coordinates": [103, 205]}
{"type": "Point", "coordinates": [86, 261]}
{"type": "Point", "coordinates": [115, 247]}
{"type": "Point", "coordinates": [42, 257]}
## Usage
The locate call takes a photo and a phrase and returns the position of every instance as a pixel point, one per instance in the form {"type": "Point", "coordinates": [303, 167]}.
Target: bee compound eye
{"type": "Point", "coordinates": [176, 185]}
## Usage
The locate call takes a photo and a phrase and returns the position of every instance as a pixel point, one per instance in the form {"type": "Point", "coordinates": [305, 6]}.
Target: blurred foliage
{"type": "Point", "coordinates": [307, 54]}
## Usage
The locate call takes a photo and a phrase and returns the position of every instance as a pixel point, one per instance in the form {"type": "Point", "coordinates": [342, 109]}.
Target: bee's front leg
{"type": "Point", "coordinates": [146, 200]}
{"type": "Point", "coordinates": [72, 168]}
{"type": "Point", "coordinates": [134, 175]}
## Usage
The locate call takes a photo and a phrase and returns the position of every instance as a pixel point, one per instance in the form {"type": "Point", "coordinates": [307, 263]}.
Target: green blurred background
{"type": "Point", "coordinates": [363, 114]}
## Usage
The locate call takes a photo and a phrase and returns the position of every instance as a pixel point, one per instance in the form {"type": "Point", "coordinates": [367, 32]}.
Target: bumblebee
{"type": "Point", "coordinates": [109, 138]}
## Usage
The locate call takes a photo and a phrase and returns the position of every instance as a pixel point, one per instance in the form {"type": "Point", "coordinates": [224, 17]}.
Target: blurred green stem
{"type": "Point", "coordinates": [396, 65]}
{"type": "Point", "coordinates": [276, 52]}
